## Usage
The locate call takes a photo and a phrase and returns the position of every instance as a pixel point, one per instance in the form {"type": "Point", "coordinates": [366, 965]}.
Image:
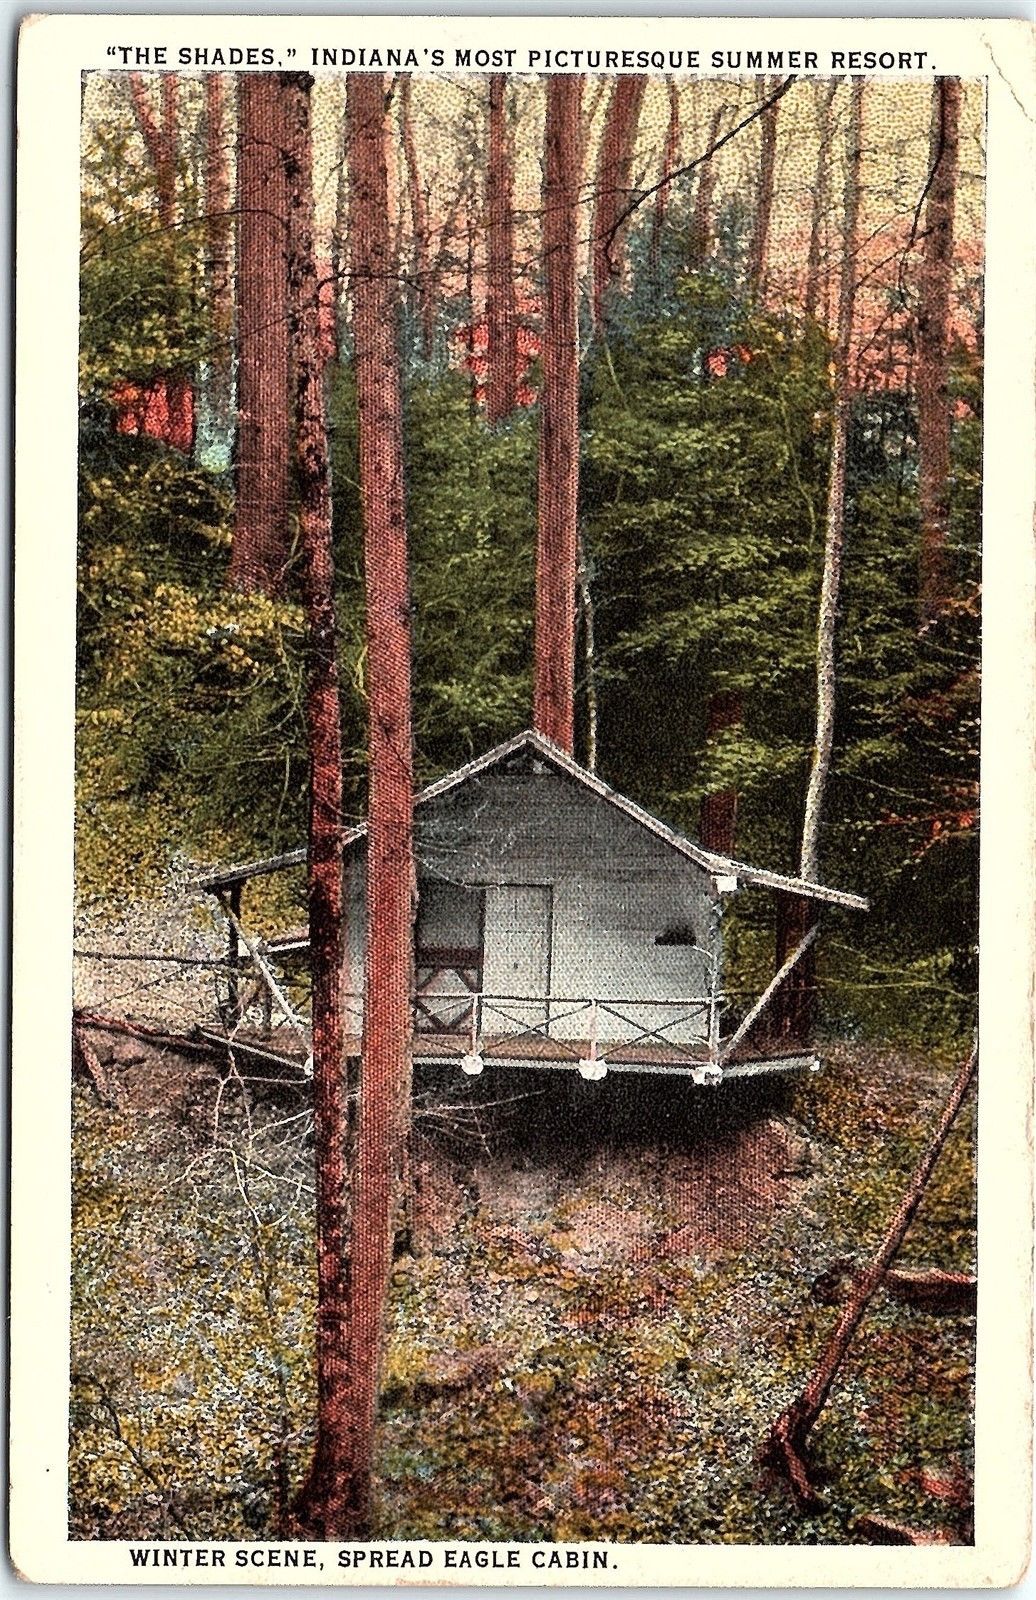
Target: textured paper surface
{"type": "Point", "coordinates": [54, 54]}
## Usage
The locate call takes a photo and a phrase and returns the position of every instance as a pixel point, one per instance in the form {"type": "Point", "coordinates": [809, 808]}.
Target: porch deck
{"type": "Point", "coordinates": [285, 1047]}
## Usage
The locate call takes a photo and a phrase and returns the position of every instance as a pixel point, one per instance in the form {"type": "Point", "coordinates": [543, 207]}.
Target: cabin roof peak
{"type": "Point", "coordinates": [726, 872]}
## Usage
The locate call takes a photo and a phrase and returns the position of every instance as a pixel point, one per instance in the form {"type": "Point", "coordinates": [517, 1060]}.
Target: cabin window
{"type": "Point", "coordinates": [679, 933]}
{"type": "Point", "coordinates": [449, 916]}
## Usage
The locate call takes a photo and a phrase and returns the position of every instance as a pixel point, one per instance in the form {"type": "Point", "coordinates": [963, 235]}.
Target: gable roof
{"type": "Point", "coordinates": [717, 866]}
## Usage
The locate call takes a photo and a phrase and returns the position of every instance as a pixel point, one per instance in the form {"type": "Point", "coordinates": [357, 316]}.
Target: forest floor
{"type": "Point", "coordinates": [609, 1292]}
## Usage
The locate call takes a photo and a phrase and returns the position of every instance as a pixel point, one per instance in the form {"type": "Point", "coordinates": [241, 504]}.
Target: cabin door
{"type": "Point", "coordinates": [517, 956]}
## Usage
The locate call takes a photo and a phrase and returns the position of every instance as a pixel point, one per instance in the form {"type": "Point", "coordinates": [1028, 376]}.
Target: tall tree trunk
{"type": "Point", "coordinates": [612, 193]}
{"type": "Point", "coordinates": [162, 145]}
{"type": "Point", "coordinates": [260, 549]}
{"type": "Point", "coordinates": [386, 1071]}
{"type": "Point", "coordinates": [670, 161]}
{"type": "Point", "coordinates": [419, 225]}
{"type": "Point", "coordinates": [834, 539]}
{"type": "Point", "coordinates": [933, 324]}
{"type": "Point", "coordinates": [502, 376]}
{"type": "Point", "coordinates": [338, 247]}
{"type": "Point", "coordinates": [558, 490]}
{"type": "Point", "coordinates": [323, 1500]}
{"type": "Point", "coordinates": [159, 140]}
{"type": "Point", "coordinates": [825, 101]}
{"type": "Point", "coordinates": [718, 818]}
{"type": "Point", "coordinates": [757, 251]}
{"type": "Point", "coordinates": [701, 220]}
{"type": "Point", "coordinates": [785, 1447]}
{"type": "Point", "coordinates": [215, 438]}
{"type": "Point", "coordinates": [586, 612]}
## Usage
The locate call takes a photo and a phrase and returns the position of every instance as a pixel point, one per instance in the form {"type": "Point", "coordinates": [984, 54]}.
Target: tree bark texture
{"type": "Point", "coordinates": [386, 1068]}
{"type": "Point", "coordinates": [420, 229]}
{"type": "Point", "coordinates": [757, 252]}
{"type": "Point", "coordinates": [700, 243]}
{"type": "Point", "coordinates": [159, 139]}
{"type": "Point", "coordinates": [260, 548]}
{"type": "Point", "coordinates": [718, 816]}
{"type": "Point", "coordinates": [933, 326]}
{"type": "Point", "coordinates": [612, 192]}
{"type": "Point", "coordinates": [321, 1504]}
{"type": "Point", "coordinates": [786, 1443]}
{"type": "Point", "coordinates": [558, 491]}
{"type": "Point", "coordinates": [825, 102]}
{"type": "Point", "coordinates": [501, 317]}
{"type": "Point", "coordinates": [794, 1005]}
{"type": "Point", "coordinates": [670, 160]}
{"type": "Point", "coordinates": [215, 439]}
{"type": "Point", "coordinates": [834, 540]}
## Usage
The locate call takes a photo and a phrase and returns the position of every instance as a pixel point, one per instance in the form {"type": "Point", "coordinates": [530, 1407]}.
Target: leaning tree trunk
{"type": "Point", "coordinates": [835, 521]}
{"type": "Point", "coordinates": [386, 1068]}
{"type": "Point", "coordinates": [321, 1506]}
{"type": "Point", "coordinates": [612, 195]}
{"type": "Point", "coordinates": [259, 553]}
{"type": "Point", "coordinates": [933, 322]}
{"type": "Point", "coordinates": [825, 102]}
{"type": "Point", "coordinates": [501, 319]}
{"type": "Point", "coordinates": [758, 247]}
{"type": "Point", "coordinates": [558, 489]}
{"type": "Point", "coordinates": [785, 1446]}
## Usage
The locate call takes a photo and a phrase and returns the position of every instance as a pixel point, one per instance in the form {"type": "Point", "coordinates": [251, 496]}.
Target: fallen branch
{"type": "Point", "coordinates": [85, 1056]}
{"type": "Point", "coordinates": [136, 1030]}
{"type": "Point", "coordinates": [785, 1445]}
{"type": "Point", "coordinates": [882, 1530]}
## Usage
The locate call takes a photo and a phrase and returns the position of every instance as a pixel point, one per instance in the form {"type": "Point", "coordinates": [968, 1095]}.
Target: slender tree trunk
{"type": "Point", "coordinates": [670, 161]}
{"type": "Point", "coordinates": [321, 1504]}
{"type": "Point", "coordinates": [835, 520]}
{"type": "Point", "coordinates": [419, 225]}
{"type": "Point", "coordinates": [391, 896]}
{"type": "Point", "coordinates": [757, 252]}
{"type": "Point", "coordinates": [159, 140]}
{"type": "Point", "coordinates": [586, 611]}
{"type": "Point", "coordinates": [260, 549]}
{"type": "Point", "coordinates": [558, 491]}
{"type": "Point", "coordinates": [933, 324]}
{"type": "Point", "coordinates": [825, 102]}
{"type": "Point", "coordinates": [612, 195]}
{"type": "Point", "coordinates": [215, 439]}
{"type": "Point", "coordinates": [785, 1445]}
{"type": "Point", "coordinates": [502, 376]}
{"type": "Point", "coordinates": [718, 818]}
{"type": "Point", "coordinates": [338, 247]}
{"type": "Point", "coordinates": [162, 144]}
{"type": "Point", "coordinates": [701, 220]}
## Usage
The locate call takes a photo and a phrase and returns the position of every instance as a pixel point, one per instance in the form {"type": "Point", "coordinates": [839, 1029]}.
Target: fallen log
{"type": "Point", "coordinates": [188, 1043]}
{"type": "Point", "coordinates": [927, 1288]}
{"type": "Point", "coordinates": [932, 1289]}
{"type": "Point", "coordinates": [784, 1448]}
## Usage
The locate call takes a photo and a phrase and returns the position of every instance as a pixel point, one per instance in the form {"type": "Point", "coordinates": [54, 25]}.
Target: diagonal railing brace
{"type": "Point", "coordinates": [767, 995]}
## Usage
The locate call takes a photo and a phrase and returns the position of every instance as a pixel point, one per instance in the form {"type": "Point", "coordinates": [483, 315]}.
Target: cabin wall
{"type": "Point", "coordinates": [615, 890]}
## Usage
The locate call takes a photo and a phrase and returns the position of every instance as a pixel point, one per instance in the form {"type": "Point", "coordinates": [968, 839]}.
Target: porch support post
{"type": "Point", "coordinates": [780, 979]}
{"type": "Point", "coordinates": [794, 1008]}
{"type": "Point", "coordinates": [715, 950]}
{"type": "Point", "coordinates": [233, 955]}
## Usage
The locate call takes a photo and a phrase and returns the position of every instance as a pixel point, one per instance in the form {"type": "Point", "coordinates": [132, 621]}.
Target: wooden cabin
{"type": "Point", "coordinates": [559, 925]}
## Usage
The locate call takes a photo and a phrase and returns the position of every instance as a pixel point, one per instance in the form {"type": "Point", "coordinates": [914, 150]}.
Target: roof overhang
{"type": "Point", "coordinates": [725, 874]}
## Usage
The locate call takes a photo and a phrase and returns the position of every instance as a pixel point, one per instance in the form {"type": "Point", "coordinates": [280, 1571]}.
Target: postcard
{"type": "Point", "coordinates": [522, 1056]}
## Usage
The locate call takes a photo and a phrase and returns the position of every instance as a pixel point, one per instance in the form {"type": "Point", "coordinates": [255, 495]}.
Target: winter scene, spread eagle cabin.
{"type": "Point", "coordinates": [559, 925]}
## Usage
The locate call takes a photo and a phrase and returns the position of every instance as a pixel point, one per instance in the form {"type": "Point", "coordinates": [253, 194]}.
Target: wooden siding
{"type": "Point", "coordinates": [616, 889]}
